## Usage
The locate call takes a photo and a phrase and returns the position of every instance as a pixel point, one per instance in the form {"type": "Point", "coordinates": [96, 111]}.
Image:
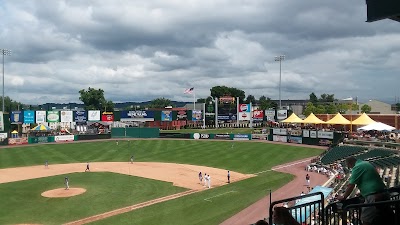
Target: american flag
{"type": "Point", "coordinates": [189, 90]}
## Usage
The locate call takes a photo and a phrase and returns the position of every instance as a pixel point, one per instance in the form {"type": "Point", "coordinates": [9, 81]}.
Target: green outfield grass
{"type": "Point", "coordinates": [21, 201]}
{"type": "Point", "coordinates": [244, 157]}
{"type": "Point", "coordinates": [214, 131]}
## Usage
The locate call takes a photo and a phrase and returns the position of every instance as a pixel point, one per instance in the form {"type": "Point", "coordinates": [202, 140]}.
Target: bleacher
{"type": "Point", "coordinates": [340, 152]}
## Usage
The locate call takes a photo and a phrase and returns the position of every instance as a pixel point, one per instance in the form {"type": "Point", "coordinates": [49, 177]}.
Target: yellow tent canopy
{"type": "Point", "coordinates": [364, 119]}
{"type": "Point", "coordinates": [338, 119]}
{"type": "Point", "coordinates": [312, 119]}
{"type": "Point", "coordinates": [14, 132]}
{"type": "Point", "coordinates": [292, 119]}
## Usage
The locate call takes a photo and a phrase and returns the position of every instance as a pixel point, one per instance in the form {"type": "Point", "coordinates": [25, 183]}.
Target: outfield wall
{"type": "Point", "coordinates": [135, 132]}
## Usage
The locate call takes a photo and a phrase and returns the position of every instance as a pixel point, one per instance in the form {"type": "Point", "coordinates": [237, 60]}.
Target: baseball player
{"type": "Point", "coordinates": [229, 177]}
{"type": "Point", "coordinates": [87, 167]}
{"type": "Point", "coordinates": [200, 177]}
{"type": "Point", "coordinates": [205, 179]}
{"type": "Point", "coordinates": [66, 182]}
{"type": "Point", "coordinates": [116, 142]}
{"type": "Point", "coordinates": [46, 164]}
{"type": "Point", "coordinates": [308, 179]}
{"type": "Point", "coordinates": [209, 181]}
{"type": "Point", "coordinates": [132, 159]}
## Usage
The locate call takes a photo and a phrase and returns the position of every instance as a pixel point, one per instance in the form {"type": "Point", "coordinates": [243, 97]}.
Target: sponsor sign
{"type": "Point", "coordinates": [29, 116]}
{"type": "Point", "coordinates": [3, 135]}
{"type": "Point", "coordinates": [297, 140]}
{"type": "Point", "coordinates": [181, 115]}
{"type": "Point", "coordinates": [137, 114]}
{"type": "Point", "coordinates": [1, 121]}
{"type": "Point", "coordinates": [259, 136]}
{"type": "Point", "coordinates": [18, 141]}
{"type": "Point", "coordinates": [324, 142]}
{"type": "Point", "coordinates": [279, 131]}
{"type": "Point", "coordinates": [282, 114]}
{"type": "Point", "coordinates": [201, 136]}
{"type": "Point", "coordinates": [94, 115]}
{"type": "Point", "coordinates": [227, 117]}
{"type": "Point", "coordinates": [53, 116]}
{"type": "Point", "coordinates": [166, 115]}
{"type": "Point", "coordinates": [244, 108]}
{"type": "Point", "coordinates": [66, 116]}
{"type": "Point", "coordinates": [313, 134]}
{"type": "Point", "coordinates": [325, 134]}
{"type": "Point", "coordinates": [258, 115]}
{"type": "Point", "coordinates": [196, 115]}
{"type": "Point", "coordinates": [40, 116]}
{"type": "Point", "coordinates": [39, 139]}
{"type": "Point", "coordinates": [222, 136]}
{"type": "Point", "coordinates": [107, 116]}
{"type": "Point", "coordinates": [270, 115]}
{"type": "Point", "coordinates": [64, 138]}
{"type": "Point", "coordinates": [80, 116]}
{"type": "Point", "coordinates": [16, 117]}
{"type": "Point", "coordinates": [295, 132]}
{"type": "Point", "coordinates": [241, 137]}
{"type": "Point", "coordinates": [278, 138]}
{"type": "Point", "coordinates": [306, 133]}
{"type": "Point", "coordinates": [244, 115]}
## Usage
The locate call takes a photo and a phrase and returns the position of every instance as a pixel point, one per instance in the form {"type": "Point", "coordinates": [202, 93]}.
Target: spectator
{"type": "Point", "coordinates": [372, 188]}
{"type": "Point", "coordinates": [282, 216]}
{"type": "Point", "coordinates": [261, 222]}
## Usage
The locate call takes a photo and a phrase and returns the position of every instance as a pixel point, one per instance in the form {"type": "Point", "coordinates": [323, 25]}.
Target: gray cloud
{"type": "Point", "coordinates": [138, 51]}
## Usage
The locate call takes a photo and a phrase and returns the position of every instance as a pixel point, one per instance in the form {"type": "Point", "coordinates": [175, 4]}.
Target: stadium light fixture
{"type": "Point", "coordinates": [4, 52]}
{"type": "Point", "coordinates": [280, 59]}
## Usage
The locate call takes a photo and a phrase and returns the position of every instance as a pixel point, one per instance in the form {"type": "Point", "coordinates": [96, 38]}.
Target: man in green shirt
{"type": "Point", "coordinates": [370, 184]}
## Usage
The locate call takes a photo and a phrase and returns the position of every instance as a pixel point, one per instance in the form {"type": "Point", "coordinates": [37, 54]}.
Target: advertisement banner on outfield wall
{"type": "Point", "coordinates": [306, 133]}
{"type": "Point", "coordinates": [197, 115]}
{"type": "Point", "coordinates": [313, 134]}
{"type": "Point", "coordinates": [166, 115]}
{"type": "Point", "coordinates": [128, 114]}
{"type": "Point", "coordinates": [181, 115]}
{"type": "Point", "coordinates": [222, 136]}
{"type": "Point", "coordinates": [270, 115]}
{"type": "Point", "coordinates": [201, 136]}
{"type": "Point", "coordinates": [94, 115]}
{"type": "Point", "coordinates": [18, 141]}
{"type": "Point", "coordinates": [280, 131]}
{"type": "Point", "coordinates": [66, 116]}
{"type": "Point", "coordinates": [80, 116]}
{"type": "Point", "coordinates": [242, 137]}
{"type": "Point", "coordinates": [294, 132]}
{"type": "Point", "coordinates": [243, 116]}
{"type": "Point", "coordinates": [258, 115]}
{"type": "Point", "coordinates": [279, 138]}
{"type": "Point", "coordinates": [297, 140]}
{"type": "Point", "coordinates": [107, 116]}
{"type": "Point", "coordinates": [40, 117]}
{"type": "Point", "coordinates": [16, 117]}
{"type": "Point", "coordinates": [53, 116]}
{"type": "Point", "coordinates": [244, 108]}
{"type": "Point", "coordinates": [281, 114]}
{"type": "Point", "coordinates": [29, 116]}
{"type": "Point", "coordinates": [227, 117]}
{"type": "Point", "coordinates": [1, 121]}
{"type": "Point", "coordinates": [325, 134]}
{"type": "Point", "coordinates": [64, 138]}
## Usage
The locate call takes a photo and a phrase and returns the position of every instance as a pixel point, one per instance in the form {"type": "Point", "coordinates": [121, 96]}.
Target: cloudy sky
{"type": "Point", "coordinates": [144, 49]}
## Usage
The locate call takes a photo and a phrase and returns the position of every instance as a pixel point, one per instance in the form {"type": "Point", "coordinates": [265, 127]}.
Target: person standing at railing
{"type": "Point", "coordinates": [371, 186]}
{"type": "Point", "coordinates": [282, 216]}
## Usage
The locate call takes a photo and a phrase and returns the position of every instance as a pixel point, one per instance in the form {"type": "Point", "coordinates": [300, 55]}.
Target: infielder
{"type": "Point", "coordinates": [229, 177]}
{"type": "Point", "coordinates": [200, 177]}
{"type": "Point", "coordinates": [205, 179]}
{"type": "Point", "coordinates": [66, 182]}
{"type": "Point", "coordinates": [87, 167]}
{"type": "Point", "coordinates": [46, 164]}
{"type": "Point", "coordinates": [132, 159]}
{"type": "Point", "coordinates": [209, 181]}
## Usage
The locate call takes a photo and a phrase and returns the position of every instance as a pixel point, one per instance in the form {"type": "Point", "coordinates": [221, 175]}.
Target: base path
{"type": "Point", "coordinates": [181, 175]}
{"type": "Point", "coordinates": [260, 209]}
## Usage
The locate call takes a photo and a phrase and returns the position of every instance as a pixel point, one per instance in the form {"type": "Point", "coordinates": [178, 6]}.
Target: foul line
{"type": "Point", "coordinates": [208, 199]}
{"type": "Point", "coordinates": [280, 167]}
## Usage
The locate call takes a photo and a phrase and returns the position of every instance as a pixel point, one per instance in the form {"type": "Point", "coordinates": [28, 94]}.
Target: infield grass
{"type": "Point", "coordinates": [244, 157]}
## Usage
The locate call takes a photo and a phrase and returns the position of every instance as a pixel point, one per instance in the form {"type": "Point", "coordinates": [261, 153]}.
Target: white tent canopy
{"type": "Point", "coordinates": [377, 126]}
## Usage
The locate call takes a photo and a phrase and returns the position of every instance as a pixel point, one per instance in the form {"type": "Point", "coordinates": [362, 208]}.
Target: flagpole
{"type": "Point", "coordinates": [237, 111]}
{"type": "Point", "coordinates": [194, 100]}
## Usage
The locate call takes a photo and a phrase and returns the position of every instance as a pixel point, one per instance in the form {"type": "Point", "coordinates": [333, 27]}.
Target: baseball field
{"type": "Point", "coordinates": [161, 186]}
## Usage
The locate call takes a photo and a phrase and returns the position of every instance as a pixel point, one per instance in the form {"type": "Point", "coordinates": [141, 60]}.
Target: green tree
{"type": "Point", "coordinates": [331, 108]}
{"type": "Point", "coordinates": [320, 109]}
{"type": "Point", "coordinates": [365, 109]}
{"type": "Point", "coordinates": [398, 107]}
{"type": "Point", "coordinates": [250, 98]}
{"type": "Point", "coordinates": [264, 103]}
{"type": "Point", "coordinates": [219, 91]}
{"type": "Point", "coordinates": [310, 108]}
{"type": "Point", "coordinates": [10, 105]}
{"type": "Point", "coordinates": [313, 98]}
{"type": "Point", "coordinates": [160, 103]}
{"type": "Point", "coordinates": [94, 99]}
{"type": "Point", "coordinates": [201, 100]}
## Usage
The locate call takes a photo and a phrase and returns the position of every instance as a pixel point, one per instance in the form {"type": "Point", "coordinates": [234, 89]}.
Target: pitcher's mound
{"type": "Point", "coordinates": [62, 193]}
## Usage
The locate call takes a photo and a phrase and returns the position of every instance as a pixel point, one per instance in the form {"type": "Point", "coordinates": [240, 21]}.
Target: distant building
{"type": "Point", "coordinates": [378, 107]}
